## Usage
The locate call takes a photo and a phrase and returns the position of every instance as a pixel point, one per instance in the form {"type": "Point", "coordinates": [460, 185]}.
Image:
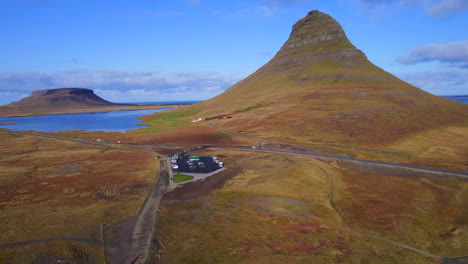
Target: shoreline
{"type": "Point", "coordinates": [87, 110]}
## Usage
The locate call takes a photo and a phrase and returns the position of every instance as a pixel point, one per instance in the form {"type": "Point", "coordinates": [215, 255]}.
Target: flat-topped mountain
{"type": "Point", "coordinates": [50, 100]}
{"type": "Point", "coordinates": [319, 88]}
{"type": "Point", "coordinates": [63, 97]}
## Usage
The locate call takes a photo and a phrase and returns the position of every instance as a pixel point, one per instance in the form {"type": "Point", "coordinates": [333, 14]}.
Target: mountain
{"type": "Point", "coordinates": [319, 88]}
{"type": "Point", "coordinates": [56, 99]}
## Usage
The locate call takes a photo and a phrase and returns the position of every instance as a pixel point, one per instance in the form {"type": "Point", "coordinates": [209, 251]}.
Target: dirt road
{"type": "Point", "coordinates": [135, 238]}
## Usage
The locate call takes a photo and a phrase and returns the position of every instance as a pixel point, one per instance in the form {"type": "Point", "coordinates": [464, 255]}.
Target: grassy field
{"type": "Point", "coordinates": [444, 147]}
{"type": "Point", "coordinates": [165, 121]}
{"type": "Point", "coordinates": [182, 177]}
{"type": "Point", "coordinates": [52, 188]}
{"type": "Point", "coordinates": [283, 209]}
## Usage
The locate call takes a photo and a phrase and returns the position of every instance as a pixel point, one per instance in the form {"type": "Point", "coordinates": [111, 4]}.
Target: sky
{"type": "Point", "coordinates": [186, 50]}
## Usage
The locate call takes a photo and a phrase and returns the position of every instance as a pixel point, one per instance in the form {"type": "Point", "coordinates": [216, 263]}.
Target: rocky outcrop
{"type": "Point", "coordinates": [316, 27]}
{"type": "Point", "coordinates": [314, 38]}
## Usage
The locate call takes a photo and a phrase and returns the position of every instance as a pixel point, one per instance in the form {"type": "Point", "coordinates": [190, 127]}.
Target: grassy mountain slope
{"type": "Point", "coordinates": [320, 89]}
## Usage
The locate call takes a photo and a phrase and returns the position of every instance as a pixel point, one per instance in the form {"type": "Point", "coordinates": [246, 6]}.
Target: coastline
{"type": "Point", "coordinates": [83, 110]}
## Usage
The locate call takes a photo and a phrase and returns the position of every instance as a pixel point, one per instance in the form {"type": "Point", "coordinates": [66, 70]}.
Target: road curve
{"type": "Point", "coordinates": [144, 228]}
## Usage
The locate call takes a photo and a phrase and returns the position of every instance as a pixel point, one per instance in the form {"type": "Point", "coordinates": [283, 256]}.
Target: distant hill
{"type": "Point", "coordinates": [59, 99]}
{"type": "Point", "coordinates": [319, 88]}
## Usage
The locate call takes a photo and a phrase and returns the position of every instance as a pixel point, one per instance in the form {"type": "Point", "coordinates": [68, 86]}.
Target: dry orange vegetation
{"type": "Point", "coordinates": [191, 134]}
{"type": "Point", "coordinates": [364, 117]}
{"type": "Point", "coordinates": [278, 209]}
{"type": "Point", "coordinates": [52, 189]}
{"type": "Point", "coordinates": [444, 148]}
{"type": "Point", "coordinates": [423, 213]}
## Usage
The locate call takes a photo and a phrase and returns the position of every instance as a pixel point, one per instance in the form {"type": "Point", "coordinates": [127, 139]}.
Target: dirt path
{"type": "Point", "coordinates": [135, 238]}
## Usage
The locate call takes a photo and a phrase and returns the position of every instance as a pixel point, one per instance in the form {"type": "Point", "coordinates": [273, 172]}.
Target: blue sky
{"type": "Point", "coordinates": [166, 50]}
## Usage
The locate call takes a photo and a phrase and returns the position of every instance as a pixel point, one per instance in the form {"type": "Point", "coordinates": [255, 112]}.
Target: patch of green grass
{"type": "Point", "coordinates": [182, 177]}
{"type": "Point", "coordinates": [165, 121]}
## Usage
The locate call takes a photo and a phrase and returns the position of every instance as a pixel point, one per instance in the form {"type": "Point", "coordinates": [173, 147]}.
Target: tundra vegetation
{"type": "Point", "coordinates": [263, 207]}
{"type": "Point", "coordinates": [60, 193]}
{"type": "Point", "coordinates": [283, 209]}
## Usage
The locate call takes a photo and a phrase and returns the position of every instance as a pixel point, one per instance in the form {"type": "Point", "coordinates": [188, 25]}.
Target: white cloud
{"type": "Point", "coordinates": [447, 8]}
{"type": "Point", "coordinates": [378, 9]}
{"type": "Point", "coordinates": [453, 54]}
{"type": "Point", "coordinates": [448, 82]}
{"type": "Point", "coordinates": [267, 10]}
{"type": "Point", "coordinates": [119, 85]}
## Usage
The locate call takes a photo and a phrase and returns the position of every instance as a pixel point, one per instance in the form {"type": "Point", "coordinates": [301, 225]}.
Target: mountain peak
{"type": "Point", "coordinates": [315, 37]}
{"type": "Point", "coordinates": [320, 88]}
{"type": "Point", "coordinates": [315, 28]}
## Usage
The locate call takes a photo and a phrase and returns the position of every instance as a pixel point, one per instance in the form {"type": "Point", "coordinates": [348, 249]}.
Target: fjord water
{"type": "Point", "coordinates": [461, 99]}
{"type": "Point", "coordinates": [112, 121]}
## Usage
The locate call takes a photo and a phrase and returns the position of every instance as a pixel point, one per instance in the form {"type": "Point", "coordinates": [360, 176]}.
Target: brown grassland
{"type": "Point", "coordinates": [59, 189]}
{"type": "Point", "coordinates": [264, 208]}
{"type": "Point", "coordinates": [284, 209]}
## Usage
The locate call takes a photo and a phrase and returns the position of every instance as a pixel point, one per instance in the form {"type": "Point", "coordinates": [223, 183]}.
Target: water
{"type": "Point", "coordinates": [113, 121]}
{"type": "Point", "coordinates": [167, 102]}
{"type": "Point", "coordinates": [462, 99]}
